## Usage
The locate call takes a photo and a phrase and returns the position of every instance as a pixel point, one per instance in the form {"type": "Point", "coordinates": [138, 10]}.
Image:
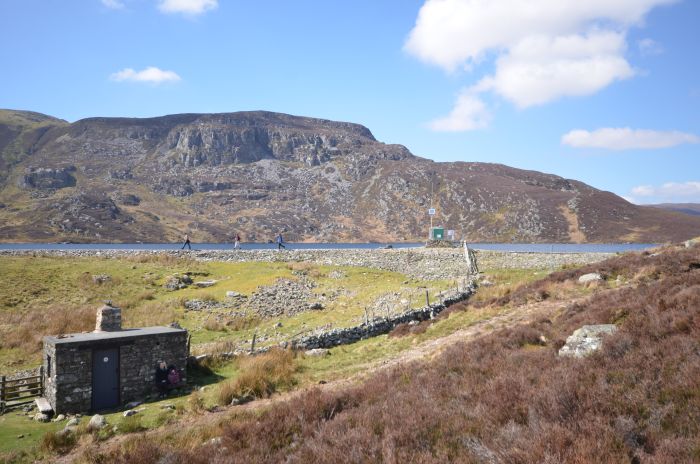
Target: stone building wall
{"type": "Point", "coordinates": [68, 386]}
{"type": "Point", "coordinates": [137, 362]}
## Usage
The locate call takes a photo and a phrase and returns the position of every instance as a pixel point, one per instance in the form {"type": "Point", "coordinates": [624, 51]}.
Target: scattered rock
{"type": "Point", "coordinates": [168, 407]}
{"type": "Point", "coordinates": [337, 275]}
{"type": "Point", "coordinates": [41, 417]}
{"type": "Point", "coordinates": [592, 277]}
{"type": "Point", "coordinates": [232, 294]}
{"type": "Point", "coordinates": [129, 413]}
{"type": "Point", "coordinates": [21, 435]}
{"type": "Point", "coordinates": [241, 400]}
{"type": "Point", "coordinates": [318, 352]}
{"type": "Point", "coordinates": [205, 283]}
{"type": "Point", "coordinates": [316, 306]}
{"type": "Point", "coordinates": [59, 418]}
{"type": "Point", "coordinates": [100, 279]}
{"type": "Point", "coordinates": [97, 422]}
{"type": "Point", "coordinates": [130, 200]}
{"type": "Point", "coordinates": [209, 305]}
{"type": "Point", "coordinates": [133, 405]}
{"type": "Point", "coordinates": [72, 422]}
{"type": "Point", "coordinates": [177, 282]}
{"type": "Point", "coordinates": [586, 340]}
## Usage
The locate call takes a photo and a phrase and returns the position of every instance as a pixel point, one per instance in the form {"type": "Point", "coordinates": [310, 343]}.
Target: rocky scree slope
{"type": "Point", "coordinates": [260, 173]}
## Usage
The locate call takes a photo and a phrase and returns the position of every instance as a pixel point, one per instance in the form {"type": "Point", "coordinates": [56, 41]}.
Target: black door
{"type": "Point", "coordinates": [105, 379]}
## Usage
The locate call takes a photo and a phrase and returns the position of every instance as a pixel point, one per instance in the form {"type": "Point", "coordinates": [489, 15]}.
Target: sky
{"type": "Point", "coordinates": [602, 91]}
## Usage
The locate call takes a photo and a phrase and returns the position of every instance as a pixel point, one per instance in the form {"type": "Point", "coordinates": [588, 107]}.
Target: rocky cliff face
{"type": "Point", "coordinates": [260, 173]}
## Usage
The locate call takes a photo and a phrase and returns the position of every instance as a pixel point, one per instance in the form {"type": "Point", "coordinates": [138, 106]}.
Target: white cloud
{"type": "Point", "coordinates": [671, 192]}
{"type": "Point", "coordinates": [649, 47]}
{"type": "Point", "coordinates": [469, 113]}
{"type": "Point", "coordinates": [543, 49]}
{"type": "Point", "coordinates": [539, 69]}
{"type": "Point", "coordinates": [151, 75]}
{"type": "Point", "coordinates": [187, 7]}
{"type": "Point", "coordinates": [113, 4]}
{"type": "Point", "coordinates": [627, 139]}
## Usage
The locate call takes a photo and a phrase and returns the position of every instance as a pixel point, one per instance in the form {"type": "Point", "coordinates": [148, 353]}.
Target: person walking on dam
{"type": "Point", "coordinates": [187, 242]}
{"type": "Point", "coordinates": [237, 242]}
{"type": "Point", "coordinates": [280, 242]}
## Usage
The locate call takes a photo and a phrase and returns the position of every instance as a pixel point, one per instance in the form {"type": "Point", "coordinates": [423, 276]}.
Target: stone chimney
{"type": "Point", "coordinates": [109, 319]}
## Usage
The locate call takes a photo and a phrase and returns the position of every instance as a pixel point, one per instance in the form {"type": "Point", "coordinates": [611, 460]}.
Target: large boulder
{"type": "Point", "coordinates": [586, 340]}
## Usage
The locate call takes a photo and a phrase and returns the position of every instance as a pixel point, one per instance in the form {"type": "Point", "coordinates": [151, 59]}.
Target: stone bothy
{"type": "Point", "coordinates": [108, 367]}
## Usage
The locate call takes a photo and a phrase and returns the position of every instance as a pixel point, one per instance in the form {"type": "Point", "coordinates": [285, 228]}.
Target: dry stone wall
{"type": "Point", "coordinates": [379, 326]}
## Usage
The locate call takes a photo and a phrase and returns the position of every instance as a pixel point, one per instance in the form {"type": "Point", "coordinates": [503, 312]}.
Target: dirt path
{"type": "Point", "coordinates": [507, 318]}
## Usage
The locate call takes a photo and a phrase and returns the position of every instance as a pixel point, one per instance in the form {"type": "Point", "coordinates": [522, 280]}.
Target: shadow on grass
{"type": "Point", "coordinates": [202, 374]}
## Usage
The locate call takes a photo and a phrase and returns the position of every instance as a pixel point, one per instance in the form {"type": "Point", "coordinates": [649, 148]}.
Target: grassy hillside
{"type": "Point", "coordinates": [505, 397]}
{"type": "Point", "coordinates": [19, 131]}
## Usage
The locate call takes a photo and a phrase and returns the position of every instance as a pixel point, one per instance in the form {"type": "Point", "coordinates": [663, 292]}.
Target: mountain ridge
{"type": "Point", "coordinates": [258, 173]}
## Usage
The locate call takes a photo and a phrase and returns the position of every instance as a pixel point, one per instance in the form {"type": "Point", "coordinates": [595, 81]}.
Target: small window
{"type": "Point", "coordinates": [48, 365]}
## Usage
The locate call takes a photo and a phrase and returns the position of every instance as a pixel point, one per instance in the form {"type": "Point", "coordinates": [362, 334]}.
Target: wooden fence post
{"type": "Point", "coordinates": [427, 298]}
{"type": "Point", "coordinates": [2, 394]}
{"type": "Point", "coordinates": [252, 345]}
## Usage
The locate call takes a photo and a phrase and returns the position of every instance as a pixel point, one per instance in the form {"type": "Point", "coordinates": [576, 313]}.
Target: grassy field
{"type": "Point", "coordinates": [51, 295]}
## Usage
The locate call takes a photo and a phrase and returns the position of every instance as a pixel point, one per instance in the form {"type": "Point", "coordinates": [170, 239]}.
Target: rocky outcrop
{"type": "Point", "coordinates": [47, 178]}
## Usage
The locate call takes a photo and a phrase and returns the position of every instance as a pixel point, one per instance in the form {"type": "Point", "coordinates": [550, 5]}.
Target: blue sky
{"type": "Point", "coordinates": [603, 91]}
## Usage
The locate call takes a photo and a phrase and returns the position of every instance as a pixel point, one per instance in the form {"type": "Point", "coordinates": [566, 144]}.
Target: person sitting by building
{"type": "Point", "coordinates": [162, 379]}
{"type": "Point", "coordinates": [173, 376]}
